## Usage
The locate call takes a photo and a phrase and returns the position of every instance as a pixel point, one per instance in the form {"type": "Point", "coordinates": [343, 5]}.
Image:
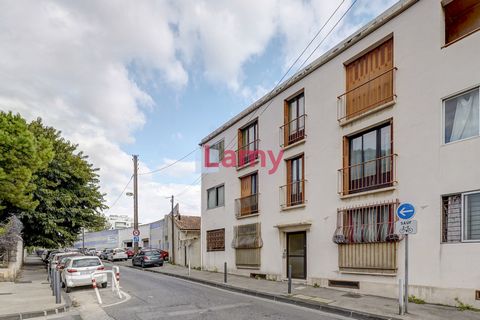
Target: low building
{"type": "Point", "coordinates": [119, 221]}
{"type": "Point", "coordinates": [187, 239]}
{"type": "Point", "coordinates": [389, 115]}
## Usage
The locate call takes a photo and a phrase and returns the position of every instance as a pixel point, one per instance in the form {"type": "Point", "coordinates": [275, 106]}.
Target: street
{"type": "Point", "coordinates": [155, 296]}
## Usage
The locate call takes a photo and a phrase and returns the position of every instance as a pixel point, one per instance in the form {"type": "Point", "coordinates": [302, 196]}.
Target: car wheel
{"type": "Point", "coordinates": [63, 284]}
{"type": "Point", "coordinates": [104, 285]}
{"type": "Point", "coordinates": [161, 264]}
{"type": "Point", "coordinates": [68, 289]}
{"type": "Point", "coordinates": [143, 264]}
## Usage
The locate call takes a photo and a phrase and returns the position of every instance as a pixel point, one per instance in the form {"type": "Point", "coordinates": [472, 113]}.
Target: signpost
{"type": "Point", "coordinates": [406, 226]}
{"type": "Point", "coordinates": [136, 232]}
{"type": "Point", "coordinates": [136, 239]}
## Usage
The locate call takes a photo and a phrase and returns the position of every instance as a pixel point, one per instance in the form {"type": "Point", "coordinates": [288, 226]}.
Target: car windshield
{"type": "Point", "coordinates": [119, 250]}
{"type": "Point", "coordinates": [151, 253]}
{"type": "Point", "coordinates": [82, 263]}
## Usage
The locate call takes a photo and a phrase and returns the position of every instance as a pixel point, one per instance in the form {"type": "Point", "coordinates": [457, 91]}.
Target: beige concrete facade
{"type": "Point", "coordinates": [426, 167]}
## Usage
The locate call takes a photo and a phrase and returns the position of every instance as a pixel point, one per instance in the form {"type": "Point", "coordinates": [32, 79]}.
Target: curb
{"type": "Point", "coordinates": [42, 313]}
{"type": "Point", "coordinates": [278, 298]}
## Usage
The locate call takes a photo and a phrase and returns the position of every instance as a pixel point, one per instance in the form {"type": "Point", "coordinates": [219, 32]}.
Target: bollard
{"type": "Point", "coordinates": [225, 272]}
{"type": "Point", "coordinates": [52, 283]}
{"type": "Point", "coordinates": [58, 290]}
{"type": "Point", "coordinates": [94, 284]}
{"type": "Point", "coordinates": [289, 279]}
{"type": "Point", "coordinates": [400, 297]}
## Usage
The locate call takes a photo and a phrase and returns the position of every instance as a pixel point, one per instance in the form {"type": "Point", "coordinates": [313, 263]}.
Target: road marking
{"type": "Point", "coordinates": [127, 297]}
{"type": "Point", "coordinates": [216, 308]}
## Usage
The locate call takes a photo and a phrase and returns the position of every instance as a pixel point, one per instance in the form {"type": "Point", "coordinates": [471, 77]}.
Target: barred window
{"type": "Point", "coordinates": [216, 240]}
{"type": "Point", "coordinates": [461, 217]}
{"type": "Point", "coordinates": [367, 224]}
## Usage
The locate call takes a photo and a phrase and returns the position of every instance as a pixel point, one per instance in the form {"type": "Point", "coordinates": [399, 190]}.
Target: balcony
{"type": "Point", "coordinates": [246, 206]}
{"type": "Point", "coordinates": [293, 131]}
{"type": "Point", "coordinates": [372, 95]}
{"type": "Point", "coordinates": [292, 194]}
{"type": "Point", "coordinates": [247, 154]}
{"type": "Point", "coordinates": [370, 175]}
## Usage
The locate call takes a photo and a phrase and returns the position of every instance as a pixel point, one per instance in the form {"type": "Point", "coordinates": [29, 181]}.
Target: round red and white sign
{"type": "Point", "coordinates": [136, 232]}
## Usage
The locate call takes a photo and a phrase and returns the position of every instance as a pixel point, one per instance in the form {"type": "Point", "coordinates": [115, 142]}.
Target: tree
{"type": "Point", "coordinates": [67, 192]}
{"type": "Point", "coordinates": [21, 156]}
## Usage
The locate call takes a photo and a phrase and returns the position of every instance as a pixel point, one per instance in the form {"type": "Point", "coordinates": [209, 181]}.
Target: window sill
{"type": "Point", "coordinates": [365, 193]}
{"type": "Point", "coordinates": [250, 164]}
{"type": "Point", "coordinates": [248, 216]}
{"type": "Point", "coordinates": [298, 206]}
{"type": "Point", "coordinates": [248, 267]}
{"type": "Point", "coordinates": [388, 273]}
{"type": "Point", "coordinates": [460, 38]}
{"type": "Point", "coordinates": [369, 112]}
{"type": "Point", "coordinates": [293, 145]}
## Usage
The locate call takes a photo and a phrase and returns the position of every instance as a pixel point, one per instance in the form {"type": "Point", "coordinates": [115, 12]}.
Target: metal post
{"type": "Point", "coordinates": [52, 282]}
{"type": "Point", "coordinates": [135, 199]}
{"type": "Point", "coordinates": [406, 275]}
{"type": "Point", "coordinates": [173, 233]}
{"type": "Point", "coordinates": [289, 279]}
{"type": "Point", "coordinates": [225, 272]}
{"type": "Point", "coordinates": [400, 297]}
{"type": "Point", "coordinates": [58, 294]}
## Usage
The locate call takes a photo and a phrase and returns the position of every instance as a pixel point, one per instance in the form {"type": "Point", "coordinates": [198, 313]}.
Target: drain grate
{"type": "Point", "coordinates": [352, 295]}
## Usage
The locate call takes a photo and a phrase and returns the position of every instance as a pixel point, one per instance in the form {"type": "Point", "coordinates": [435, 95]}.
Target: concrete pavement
{"type": "Point", "coordinates": [327, 298]}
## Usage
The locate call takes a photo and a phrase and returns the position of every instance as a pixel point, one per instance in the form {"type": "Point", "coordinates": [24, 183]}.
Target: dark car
{"type": "Point", "coordinates": [147, 258]}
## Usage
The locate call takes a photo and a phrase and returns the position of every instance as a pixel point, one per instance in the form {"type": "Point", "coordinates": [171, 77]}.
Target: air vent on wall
{"type": "Point", "coordinates": [344, 284]}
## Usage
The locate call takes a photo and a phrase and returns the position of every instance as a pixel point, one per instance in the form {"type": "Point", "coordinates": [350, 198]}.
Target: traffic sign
{"type": "Point", "coordinates": [405, 211]}
{"type": "Point", "coordinates": [406, 227]}
{"type": "Point", "coordinates": [136, 233]}
{"type": "Point", "coordinates": [136, 239]}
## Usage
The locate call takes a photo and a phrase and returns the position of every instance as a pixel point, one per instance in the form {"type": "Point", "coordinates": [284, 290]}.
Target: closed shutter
{"type": "Point", "coordinates": [369, 84]}
{"type": "Point", "coordinates": [247, 243]}
{"type": "Point", "coordinates": [462, 17]}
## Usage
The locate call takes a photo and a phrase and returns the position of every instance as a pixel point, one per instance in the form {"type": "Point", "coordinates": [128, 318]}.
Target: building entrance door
{"type": "Point", "coordinates": [297, 254]}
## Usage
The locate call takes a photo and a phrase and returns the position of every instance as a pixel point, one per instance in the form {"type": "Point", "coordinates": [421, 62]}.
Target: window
{"type": "Point", "coordinates": [369, 82]}
{"type": "Point", "coordinates": [462, 17]}
{"type": "Point", "coordinates": [216, 240]}
{"type": "Point", "coordinates": [295, 188]}
{"type": "Point", "coordinates": [369, 224]}
{"type": "Point", "coordinates": [247, 242]}
{"type": "Point", "coordinates": [294, 120]}
{"type": "Point", "coordinates": [216, 197]}
{"type": "Point", "coordinates": [368, 160]}
{"type": "Point", "coordinates": [461, 116]}
{"type": "Point", "coordinates": [217, 151]}
{"type": "Point", "coordinates": [461, 217]}
{"type": "Point", "coordinates": [248, 144]}
{"type": "Point", "coordinates": [248, 202]}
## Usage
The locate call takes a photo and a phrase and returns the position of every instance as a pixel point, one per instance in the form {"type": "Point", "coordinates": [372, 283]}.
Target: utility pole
{"type": "Point", "coordinates": [173, 232]}
{"type": "Point", "coordinates": [135, 199]}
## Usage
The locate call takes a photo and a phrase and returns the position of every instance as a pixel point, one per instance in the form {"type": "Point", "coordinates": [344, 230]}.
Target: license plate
{"type": "Point", "coordinates": [86, 272]}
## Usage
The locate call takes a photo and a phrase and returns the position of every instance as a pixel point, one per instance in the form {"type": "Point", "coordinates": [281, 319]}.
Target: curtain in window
{"type": "Point", "coordinates": [465, 122]}
{"type": "Point", "coordinates": [370, 225]}
{"type": "Point", "coordinates": [357, 225]}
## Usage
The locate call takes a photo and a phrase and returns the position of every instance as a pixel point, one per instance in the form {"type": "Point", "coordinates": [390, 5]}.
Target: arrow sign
{"type": "Point", "coordinates": [405, 211]}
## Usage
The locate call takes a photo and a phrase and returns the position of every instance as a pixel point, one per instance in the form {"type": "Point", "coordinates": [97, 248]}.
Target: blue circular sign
{"type": "Point", "coordinates": [405, 211]}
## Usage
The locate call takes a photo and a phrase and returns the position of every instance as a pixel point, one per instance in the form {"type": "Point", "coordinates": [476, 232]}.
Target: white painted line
{"type": "Point", "coordinates": [127, 297]}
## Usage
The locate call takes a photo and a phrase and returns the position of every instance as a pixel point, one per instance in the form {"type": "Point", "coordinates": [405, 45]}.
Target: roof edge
{"type": "Point", "coordinates": [360, 34]}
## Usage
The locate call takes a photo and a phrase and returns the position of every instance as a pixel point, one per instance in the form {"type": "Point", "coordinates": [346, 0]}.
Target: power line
{"type": "Point", "coordinates": [189, 186]}
{"type": "Point", "coordinates": [121, 193]}
{"type": "Point", "coordinates": [170, 164]}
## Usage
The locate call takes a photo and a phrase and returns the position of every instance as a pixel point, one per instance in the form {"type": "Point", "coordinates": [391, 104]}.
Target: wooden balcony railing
{"type": "Point", "coordinates": [374, 93]}
{"type": "Point", "coordinates": [248, 153]}
{"type": "Point", "coordinates": [292, 194]}
{"type": "Point", "coordinates": [369, 175]}
{"type": "Point", "coordinates": [246, 206]}
{"type": "Point", "coordinates": [293, 131]}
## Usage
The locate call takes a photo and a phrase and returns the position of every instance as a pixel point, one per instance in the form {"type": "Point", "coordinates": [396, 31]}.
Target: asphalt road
{"type": "Point", "coordinates": [156, 296]}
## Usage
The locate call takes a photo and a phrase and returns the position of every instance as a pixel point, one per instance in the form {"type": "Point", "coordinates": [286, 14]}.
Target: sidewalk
{"type": "Point", "coordinates": [30, 295]}
{"type": "Point", "coordinates": [329, 300]}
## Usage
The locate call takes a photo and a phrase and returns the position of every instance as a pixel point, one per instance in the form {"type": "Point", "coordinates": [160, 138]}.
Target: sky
{"type": "Point", "coordinates": [154, 77]}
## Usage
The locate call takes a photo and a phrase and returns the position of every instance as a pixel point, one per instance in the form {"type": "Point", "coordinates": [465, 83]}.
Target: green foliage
{"type": "Point", "coordinates": [465, 307]}
{"type": "Point", "coordinates": [416, 300]}
{"type": "Point", "coordinates": [47, 183]}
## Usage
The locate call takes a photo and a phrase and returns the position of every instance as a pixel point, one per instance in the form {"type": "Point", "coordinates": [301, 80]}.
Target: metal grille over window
{"type": "Point", "coordinates": [367, 224]}
{"type": "Point", "coordinates": [452, 218]}
{"type": "Point", "coordinates": [216, 240]}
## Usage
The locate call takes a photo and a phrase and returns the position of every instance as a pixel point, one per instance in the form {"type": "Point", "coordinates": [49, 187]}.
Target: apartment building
{"type": "Point", "coordinates": [389, 115]}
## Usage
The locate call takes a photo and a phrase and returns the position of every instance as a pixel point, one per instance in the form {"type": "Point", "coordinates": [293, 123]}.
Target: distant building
{"type": "Point", "coordinates": [119, 222]}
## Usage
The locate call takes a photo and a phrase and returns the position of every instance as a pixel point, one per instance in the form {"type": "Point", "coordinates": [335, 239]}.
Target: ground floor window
{"type": "Point", "coordinates": [461, 217]}
{"type": "Point", "coordinates": [247, 242]}
{"type": "Point", "coordinates": [216, 240]}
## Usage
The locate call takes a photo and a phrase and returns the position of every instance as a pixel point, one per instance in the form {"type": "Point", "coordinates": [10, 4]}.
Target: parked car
{"type": "Point", "coordinates": [78, 271]}
{"type": "Point", "coordinates": [57, 257]}
{"type": "Point", "coordinates": [61, 262]}
{"type": "Point", "coordinates": [117, 254]}
{"type": "Point", "coordinates": [147, 258]}
{"type": "Point", "coordinates": [104, 254]}
{"type": "Point", "coordinates": [130, 252]}
{"type": "Point", "coordinates": [163, 254]}
{"type": "Point", "coordinates": [98, 253]}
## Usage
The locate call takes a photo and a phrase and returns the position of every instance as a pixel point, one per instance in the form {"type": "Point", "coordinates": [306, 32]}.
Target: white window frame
{"type": "Point", "coordinates": [453, 95]}
{"type": "Point", "coordinates": [212, 147]}
{"type": "Point", "coordinates": [464, 209]}
{"type": "Point", "coordinates": [216, 195]}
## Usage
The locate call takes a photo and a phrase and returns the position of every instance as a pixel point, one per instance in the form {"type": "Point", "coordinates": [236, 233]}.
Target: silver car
{"type": "Point", "coordinates": [78, 272]}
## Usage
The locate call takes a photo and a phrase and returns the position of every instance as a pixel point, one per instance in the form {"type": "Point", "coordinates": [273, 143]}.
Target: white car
{"type": "Point", "coordinates": [117, 254]}
{"type": "Point", "coordinates": [78, 272]}
{"type": "Point", "coordinates": [56, 259]}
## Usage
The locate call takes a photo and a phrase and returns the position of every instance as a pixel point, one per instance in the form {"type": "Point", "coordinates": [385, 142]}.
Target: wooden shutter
{"type": "Point", "coordinates": [286, 120]}
{"type": "Point", "coordinates": [462, 17]}
{"type": "Point", "coordinates": [246, 190]}
{"type": "Point", "coordinates": [288, 198]}
{"type": "Point", "coordinates": [346, 162]}
{"type": "Point", "coordinates": [368, 82]}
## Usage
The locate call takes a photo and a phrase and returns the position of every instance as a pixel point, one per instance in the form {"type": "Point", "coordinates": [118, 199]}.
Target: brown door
{"type": "Point", "coordinates": [297, 254]}
{"type": "Point", "coordinates": [246, 186]}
